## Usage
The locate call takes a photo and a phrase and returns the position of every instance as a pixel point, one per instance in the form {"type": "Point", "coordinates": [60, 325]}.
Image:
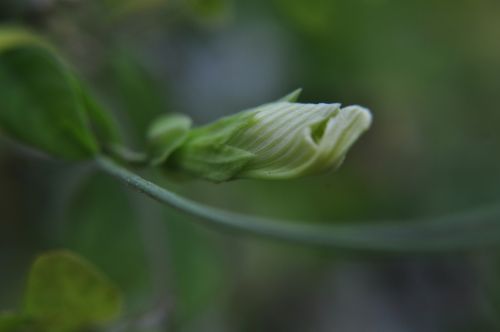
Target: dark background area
{"type": "Point", "coordinates": [428, 70]}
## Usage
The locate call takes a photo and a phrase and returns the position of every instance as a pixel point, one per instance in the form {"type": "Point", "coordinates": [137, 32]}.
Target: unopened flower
{"type": "Point", "coordinates": [279, 140]}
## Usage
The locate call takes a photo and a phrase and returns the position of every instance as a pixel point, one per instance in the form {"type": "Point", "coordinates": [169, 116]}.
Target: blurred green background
{"type": "Point", "coordinates": [429, 71]}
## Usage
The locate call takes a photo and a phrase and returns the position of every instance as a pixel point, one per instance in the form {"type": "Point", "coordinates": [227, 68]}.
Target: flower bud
{"type": "Point", "coordinates": [279, 140]}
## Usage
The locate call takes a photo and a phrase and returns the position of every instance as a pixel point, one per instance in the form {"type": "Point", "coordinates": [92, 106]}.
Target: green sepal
{"type": "Point", "coordinates": [205, 153]}
{"type": "Point", "coordinates": [214, 162]}
{"type": "Point", "coordinates": [292, 96]}
{"type": "Point", "coordinates": [165, 135]}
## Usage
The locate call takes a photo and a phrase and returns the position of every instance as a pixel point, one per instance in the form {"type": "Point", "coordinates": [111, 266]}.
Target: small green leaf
{"type": "Point", "coordinates": [38, 104]}
{"type": "Point", "coordinates": [279, 140]}
{"type": "Point", "coordinates": [67, 293]}
{"type": "Point", "coordinates": [37, 109]}
{"type": "Point", "coordinates": [167, 134]}
{"type": "Point", "coordinates": [42, 104]}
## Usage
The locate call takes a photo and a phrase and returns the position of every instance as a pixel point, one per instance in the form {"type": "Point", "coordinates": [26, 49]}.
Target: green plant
{"type": "Point", "coordinates": [77, 128]}
{"type": "Point", "coordinates": [45, 106]}
{"type": "Point", "coordinates": [64, 293]}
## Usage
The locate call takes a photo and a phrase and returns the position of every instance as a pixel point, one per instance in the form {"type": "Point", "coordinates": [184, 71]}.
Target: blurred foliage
{"type": "Point", "coordinates": [138, 94]}
{"type": "Point", "coordinates": [198, 265]}
{"type": "Point", "coordinates": [429, 70]}
{"type": "Point", "coordinates": [43, 106]}
{"type": "Point", "coordinates": [100, 210]}
{"type": "Point", "coordinates": [64, 293]}
{"type": "Point", "coordinates": [10, 322]}
{"type": "Point", "coordinates": [30, 77]}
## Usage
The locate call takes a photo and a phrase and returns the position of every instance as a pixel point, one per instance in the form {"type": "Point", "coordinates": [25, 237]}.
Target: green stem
{"type": "Point", "coordinates": [462, 232]}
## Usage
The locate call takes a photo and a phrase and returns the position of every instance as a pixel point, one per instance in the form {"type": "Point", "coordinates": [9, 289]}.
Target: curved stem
{"type": "Point", "coordinates": [468, 231]}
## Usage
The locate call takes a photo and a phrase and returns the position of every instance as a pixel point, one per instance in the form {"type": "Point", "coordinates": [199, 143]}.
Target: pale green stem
{"type": "Point", "coordinates": [461, 232]}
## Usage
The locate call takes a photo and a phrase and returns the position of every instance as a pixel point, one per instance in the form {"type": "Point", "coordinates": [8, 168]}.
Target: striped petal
{"type": "Point", "coordinates": [291, 139]}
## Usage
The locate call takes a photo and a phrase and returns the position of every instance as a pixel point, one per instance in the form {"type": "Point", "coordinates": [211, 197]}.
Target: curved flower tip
{"type": "Point", "coordinates": [290, 140]}
{"type": "Point", "coordinates": [280, 140]}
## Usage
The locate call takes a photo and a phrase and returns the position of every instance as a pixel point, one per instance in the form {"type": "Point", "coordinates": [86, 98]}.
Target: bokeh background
{"type": "Point", "coordinates": [430, 72]}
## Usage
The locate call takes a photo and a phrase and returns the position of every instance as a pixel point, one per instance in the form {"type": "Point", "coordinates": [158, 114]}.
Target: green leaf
{"type": "Point", "coordinates": [166, 135]}
{"type": "Point", "coordinates": [38, 103]}
{"type": "Point", "coordinates": [37, 109]}
{"type": "Point", "coordinates": [42, 105]}
{"type": "Point", "coordinates": [67, 293]}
